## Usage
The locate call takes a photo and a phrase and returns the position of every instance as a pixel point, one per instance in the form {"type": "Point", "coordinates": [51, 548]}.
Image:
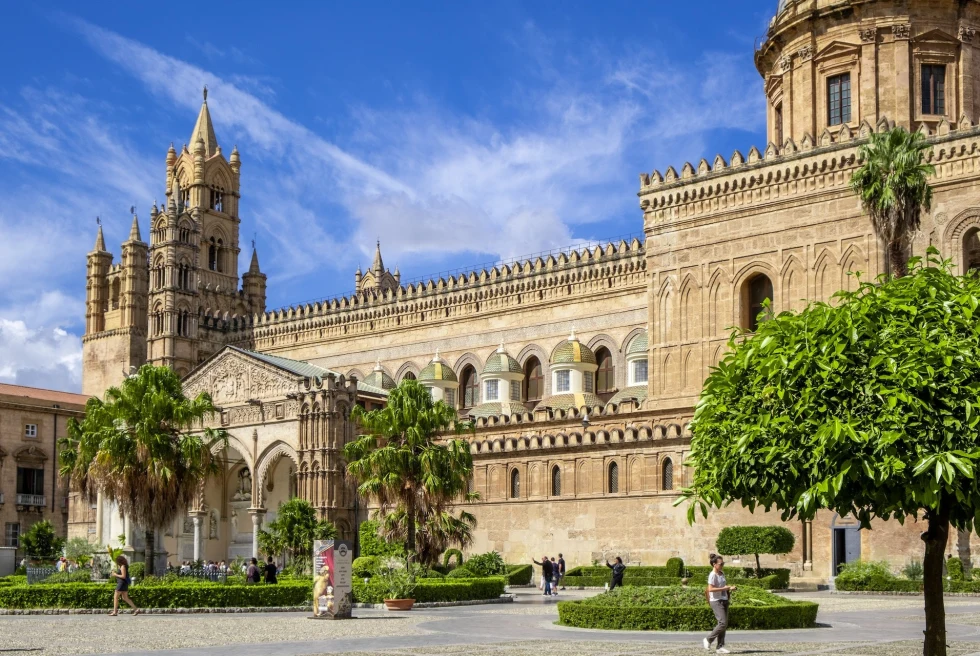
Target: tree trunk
{"type": "Point", "coordinates": [963, 553]}
{"type": "Point", "coordinates": [410, 527]}
{"type": "Point", "coordinates": [758, 567]}
{"type": "Point", "coordinates": [149, 555]}
{"type": "Point", "coordinates": [935, 538]}
{"type": "Point", "coordinates": [898, 259]}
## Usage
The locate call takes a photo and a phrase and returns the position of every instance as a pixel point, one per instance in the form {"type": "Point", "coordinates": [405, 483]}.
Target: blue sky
{"type": "Point", "coordinates": [458, 133]}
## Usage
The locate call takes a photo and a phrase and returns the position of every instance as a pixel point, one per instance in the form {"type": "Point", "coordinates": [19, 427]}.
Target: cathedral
{"type": "Point", "coordinates": [580, 367]}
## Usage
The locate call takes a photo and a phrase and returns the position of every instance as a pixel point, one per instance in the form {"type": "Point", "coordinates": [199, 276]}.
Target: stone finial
{"type": "Point", "coordinates": [99, 238]}
{"type": "Point", "coordinates": [134, 231]}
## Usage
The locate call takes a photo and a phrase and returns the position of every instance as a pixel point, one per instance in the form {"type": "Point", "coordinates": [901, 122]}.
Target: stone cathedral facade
{"type": "Point", "coordinates": [580, 367]}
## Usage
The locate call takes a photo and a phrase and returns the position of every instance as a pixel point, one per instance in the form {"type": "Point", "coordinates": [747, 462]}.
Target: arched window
{"type": "Point", "coordinates": [533, 380]}
{"type": "Point", "coordinates": [756, 291]}
{"type": "Point", "coordinates": [515, 484]}
{"type": "Point", "coordinates": [220, 256]}
{"type": "Point", "coordinates": [667, 481]}
{"type": "Point", "coordinates": [409, 376]}
{"type": "Point", "coordinates": [158, 321]}
{"type": "Point", "coordinates": [556, 481]}
{"type": "Point", "coordinates": [971, 250]}
{"type": "Point", "coordinates": [115, 294]}
{"type": "Point", "coordinates": [606, 375]}
{"type": "Point", "coordinates": [471, 387]}
{"type": "Point", "coordinates": [613, 478]}
{"type": "Point", "coordinates": [212, 255]}
{"type": "Point", "coordinates": [184, 233]}
{"type": "Point", "coordinates": [183, 325]}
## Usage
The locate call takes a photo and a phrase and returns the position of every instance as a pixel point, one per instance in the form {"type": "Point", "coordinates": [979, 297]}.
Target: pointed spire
{"type": "Point", "coordinates": [378, 264]}
{"type": "Point", "coordinates": [253, 267]}
{"type": "Point", "coordinates": [134, 232]}
{"type": "Point", "coordinates": [204, 129]}
{"type": "Point", "coordinates": [99, 241]}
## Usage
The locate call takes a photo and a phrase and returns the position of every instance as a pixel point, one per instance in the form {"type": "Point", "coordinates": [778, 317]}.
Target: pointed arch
{"type": "Point", "coordinates": [793, 284]}
{"type": "Point", "coordinates": [665, 312]}
{"type": "Point", "coordinates": [826, 277]}
{"type": "Point", "coordinates": [719, 303]}
{"type": "Point", "coordinates": [669, 373]}
{"type": "Point", "coordinates": [612, 478]}
{"type": "Point", "coordinates": [690, 309]}
{"type": "Point", "coordinates": [667, 474]}
{"type": "Point", "coordinates": [853, 261]}
{"type": "Point", "coordinates": [405, 369]}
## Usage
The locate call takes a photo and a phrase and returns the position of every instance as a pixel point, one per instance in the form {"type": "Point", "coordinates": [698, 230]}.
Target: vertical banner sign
{"type": "Point", "coordinates": [332, 596]}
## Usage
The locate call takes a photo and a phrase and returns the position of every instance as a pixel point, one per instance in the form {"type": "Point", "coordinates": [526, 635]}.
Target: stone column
{"type": "Point", "coordinates": [127, 532]}
{"type": "Point", "coordinates": [257, 515]}
{"type": "Point", "coordinates": [99, 518]}
{"type": "Point", "coordinates": [196, 519]}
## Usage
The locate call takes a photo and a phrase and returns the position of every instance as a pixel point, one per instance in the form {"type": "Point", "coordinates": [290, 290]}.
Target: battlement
{"type": "Point", "coordinates": [812, 166]}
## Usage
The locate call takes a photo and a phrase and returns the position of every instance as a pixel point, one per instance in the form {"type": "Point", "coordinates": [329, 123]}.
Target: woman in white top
{"type": "Point", "coordinates": [718, 590]}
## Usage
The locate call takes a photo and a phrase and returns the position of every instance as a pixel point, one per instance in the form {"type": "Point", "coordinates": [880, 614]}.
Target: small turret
{"type": "Point", "coordinates": [98, 264]}
{"type": "Point", "coordinates": [99, 241]}
{"type": "Point", "coordinates": [254, 283]}
{"type": "Point", "coordinates": [134, 231]}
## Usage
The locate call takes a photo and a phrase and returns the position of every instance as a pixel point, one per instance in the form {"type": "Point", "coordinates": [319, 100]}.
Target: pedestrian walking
{"type": "Point", "coordinates": [718, 597]}
{"type": "Point", "coordinates": [617, 573]}
{"type": "Point", "coordinates": [122, 587]}
{"type": "Point", "coordinates": [270, 571]}
{"type": "Point", "coordinates": [561, 571]}
{"type": "Point", "coordinates": [546, 572]}
{"type": "Point", "coordinates": [252, 574]}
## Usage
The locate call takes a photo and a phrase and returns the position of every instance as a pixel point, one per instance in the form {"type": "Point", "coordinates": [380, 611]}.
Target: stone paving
{"type": "Point", "coordinates": [850, 626]}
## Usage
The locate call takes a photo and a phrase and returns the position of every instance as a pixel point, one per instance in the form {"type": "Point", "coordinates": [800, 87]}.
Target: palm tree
{"type": "Point", "coordinates": [892, 182]}
{"type": "Point", "coordinates": [434, 532]}
{"type": "Point", "coordinates": [137, 449]}
{"type": "Point", "coordinates": [398, 463]}
{"type": "Point", "coordinates": [293, 531]}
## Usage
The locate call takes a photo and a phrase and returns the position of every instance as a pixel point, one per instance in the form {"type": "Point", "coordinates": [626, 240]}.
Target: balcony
{"type": "Point", "coordinates": [30, 500]}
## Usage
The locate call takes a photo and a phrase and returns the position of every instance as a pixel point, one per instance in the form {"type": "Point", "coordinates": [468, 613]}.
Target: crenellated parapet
{"type": "Point", "coordinates": [542, 280]}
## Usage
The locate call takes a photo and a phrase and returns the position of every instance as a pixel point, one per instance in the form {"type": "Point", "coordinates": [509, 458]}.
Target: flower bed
{"type": "Point", "coordinates": [433, 590]}
{"type": "Point", "coordinates": [684, 609]}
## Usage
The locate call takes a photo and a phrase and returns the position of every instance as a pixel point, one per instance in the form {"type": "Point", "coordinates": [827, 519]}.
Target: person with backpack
{"type": "Point", "coordinates": [617, 573]}
{"type": "Point", "coordinates": [718, 597]}
{"type": "Point", "coordinates": [252, 574]}
{"type": "Point", "coordinates": [546, 573]}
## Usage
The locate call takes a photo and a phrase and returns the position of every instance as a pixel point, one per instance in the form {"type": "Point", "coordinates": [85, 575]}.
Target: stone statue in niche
{"type": "Point", "coordinates": [244, 491]}
{"type": "Point", "coordinates": [188, 525]}
{"type": "Point", "coordinates": [234, 523]}
{"type": "Point", "coordinates": [212, 526]}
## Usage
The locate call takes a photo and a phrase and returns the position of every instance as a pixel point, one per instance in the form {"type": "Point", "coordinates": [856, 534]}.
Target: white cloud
{"type": "Point", "coordinates": [40, 357]}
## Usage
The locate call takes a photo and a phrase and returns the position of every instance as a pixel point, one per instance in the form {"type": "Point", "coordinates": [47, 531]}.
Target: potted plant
{"type": "Point", "coordinates": [398, 581]}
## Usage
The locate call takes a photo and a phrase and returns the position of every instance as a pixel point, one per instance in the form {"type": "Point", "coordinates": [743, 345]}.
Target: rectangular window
{"type": "Point", "coordinates": [639, 372]}
{"type": "Point", "coordinates": [777, 124]}
{"type": "Point", "coordinates": [839, 99]}
{"type": "Point", "coordinates": [30, 430]}
{"type": "Point", "coordinates": [30, 481]}
{"type": "Point", "coordinates": [563, 381]}
{"type": "Point", "coordinates": [933, 89]}
{"type": "Point", "coordinates": [515, 390]}
{"type": "Point", "coordinates": [11, 535]}
{"type": "Point", "coordinates": [491, 390]}
{"type": "Point", "coordinates": [589, 382]}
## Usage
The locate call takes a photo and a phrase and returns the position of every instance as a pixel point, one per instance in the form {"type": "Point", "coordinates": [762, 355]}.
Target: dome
{"type": "Point", "coordinates": [571, 400]}
{"type": "Point", "coordinates": [379, 378]}
{"type": "Point", "coordinates": [572, 351]}
{"type": "Point", "coordinates": [501, 362]}
{"type": "Point", "coordinates": [638, 392]}
{"type": "Point", "coordinates": [639, 345]}
{"type": "Point", "coordinates": [437, 371]}
{"type": "Point", "coordinates": [498, 408]}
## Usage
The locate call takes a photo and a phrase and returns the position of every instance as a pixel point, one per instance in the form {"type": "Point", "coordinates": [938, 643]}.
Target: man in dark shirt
{"type": "Point", "coordinates": [561, 571]}
{"type": "Point", "coordinates": [617, 573]}
{"type": "Point", "coordinates": [546, 572]}
{"type": "Point", "coordinates": [270, 571]}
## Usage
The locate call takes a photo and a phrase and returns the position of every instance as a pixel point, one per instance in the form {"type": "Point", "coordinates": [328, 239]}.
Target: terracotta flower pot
{"type": "Point", "coordinates": [399, 604]}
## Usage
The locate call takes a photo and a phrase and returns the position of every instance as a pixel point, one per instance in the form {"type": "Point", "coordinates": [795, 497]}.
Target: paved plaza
{"type": "Point", "coordinates": [849, 625]}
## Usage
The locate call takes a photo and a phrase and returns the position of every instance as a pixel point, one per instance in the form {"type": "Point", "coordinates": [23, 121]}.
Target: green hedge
{"type": "Point", "coordinates": [877, 584]}
{"type": "Point", "coordinates": [773, 582]}
{"type": "Point", "coordinates": [519, 574]}
{"type": "Point", "coordinates": [675, 567]}
{"type": "Point", "coordinates": [175, 595]}
{"type": "Point", "coordinates": [434, 590]}
{"type": "Point", "coordinates": [365, 566]}
{"type": "Point", "coordinates": [684, 609]}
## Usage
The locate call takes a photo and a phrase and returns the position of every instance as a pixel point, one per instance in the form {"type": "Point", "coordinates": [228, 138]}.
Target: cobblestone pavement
{"type": "Point", "coordinates": [850, 626]}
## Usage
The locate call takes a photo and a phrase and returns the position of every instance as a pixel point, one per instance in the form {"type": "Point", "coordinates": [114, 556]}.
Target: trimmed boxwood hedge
{"type": "Point", "coordinates": [751, 614]}
{"type": "Point", "coordinates": [174, 595]}
{"type": "Point", "coordinates": [766, 582]}
{"type": "Point", "coordinates": [434, 590]}
{"type": "Point", "coordinates": [519, 574]}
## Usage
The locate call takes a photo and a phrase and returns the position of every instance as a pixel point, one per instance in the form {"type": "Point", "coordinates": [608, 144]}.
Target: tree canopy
{"type": "Point", "coordinates": [40, 542]}
{"type": "Point", "coordinates": [755, 540]}
{"type": "Point", "coordinates": [143, 449]}
{"type": "Point", "coordinates": [868, 407]}
{"type": "Point", "coordinates": [398, 463]}
{"type": "Point", "coordinates": [294, 529]}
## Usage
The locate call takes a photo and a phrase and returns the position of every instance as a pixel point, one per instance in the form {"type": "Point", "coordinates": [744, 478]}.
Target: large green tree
{"type": "Point", "coordinates": [294, 529]}
{"type": "Point", "coordinates": [893, 184]}
{"type": "Point", "coordinates": [400, 463]}
{"type": "Point", "coordinates": [40, 542]}
{"type": "Point", "coordinates": [144, 449]}
{"type": "Point", "coordinates": [869, 408]}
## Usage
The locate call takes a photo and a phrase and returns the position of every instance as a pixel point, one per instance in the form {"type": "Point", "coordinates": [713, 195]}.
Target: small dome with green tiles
{"type": "Point", "coordinates": [639, 345]}
{"type": "Point", "coordinates": [638, 392]}
{"type": "Point", "coordinates": [572, 351]}
{"type": "Point", "coordinates": [496, 409]}
{"type": "Point", "coordinates": [379, 378]}
{"type": "Point", "coordinates": [501, 362]}
{"type": "Point", "coordinates": [438, 371]}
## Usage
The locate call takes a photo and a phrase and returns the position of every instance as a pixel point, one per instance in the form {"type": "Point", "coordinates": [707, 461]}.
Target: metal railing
{"type": "Point", "coordinates": [30, 500]}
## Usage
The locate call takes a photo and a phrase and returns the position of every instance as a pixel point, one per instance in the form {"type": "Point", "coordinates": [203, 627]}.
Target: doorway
{"type": "Point", "coordinates": [847, 547]}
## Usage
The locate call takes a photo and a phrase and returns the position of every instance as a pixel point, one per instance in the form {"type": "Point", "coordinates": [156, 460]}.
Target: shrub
{"type": "Point", "coordinates": [519, 574]}
{"type": "Point", "coordinates": [81, 575]}
{"type": "Point", "coordinates": [365, 566]}
{"type": "Point", "coordinates": [913, 570]}
{"type": "Point", "coordinates": [137, 571]}
{"type": "Point", "coordinates": [434, 590]}
{"type": "Point", "coordinates": [40, 541]}
{"type": "Point", "coordinates": [433, 574]}
{"type": "Point", "coordinates": [488, 564]}
{"type": "Point", "coordinates": [80, 550]}
{"type": "Point", "coordinates": [675, 567]}
{"type": "Point", "coordinates": [954, 569]}
{"type": "Point", "coordinates": [170, 595]}
{"type": "Point", "coordinates": [461, 573]}
{"type": "Point", "coordinates": [684, 609]}
{"type": "Point", "coordinates": [449, 555]}
{"type": "Point", "coordinates": [873, 576]}
{"type": "Point", "coordinates": [373, 545]}
{"type": "Point", "coordinates": [755, 540]}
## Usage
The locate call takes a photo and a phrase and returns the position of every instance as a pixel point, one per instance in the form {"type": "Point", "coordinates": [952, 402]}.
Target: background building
{"type": "Point", "coordinates": [581, 365]}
